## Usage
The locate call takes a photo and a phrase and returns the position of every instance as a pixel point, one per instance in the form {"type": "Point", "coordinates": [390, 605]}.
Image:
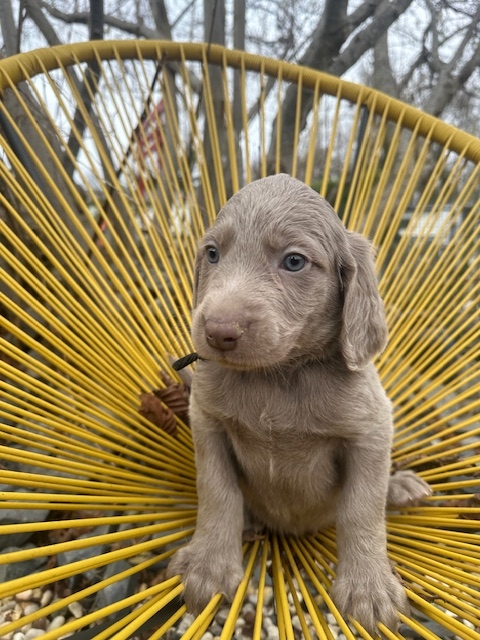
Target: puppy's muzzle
{"type": "Point", "coordinates": [223, 335]}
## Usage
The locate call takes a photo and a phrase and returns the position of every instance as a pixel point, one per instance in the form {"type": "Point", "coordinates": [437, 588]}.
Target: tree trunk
{"type": "Point", "coordinates": [239, 21]}
{"type": "Point", "coordinates": [215, 147]}
{"type": "Point", "coordinates": [325, 54]}
{"type": "Point", "coordinates": [327, 39]}
{"type": "Point", "coordinates": [89, 86]}
{"type": "Point", "coordinates": [8, 27]}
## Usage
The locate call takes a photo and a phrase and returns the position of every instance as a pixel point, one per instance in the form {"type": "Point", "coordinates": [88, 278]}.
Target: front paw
{"type": "Point", "coordinates": [371, 597]}
{"type": "Point", "coordinates": [405, 488]}
{"type": "Point", "coordinates": [205, 573]}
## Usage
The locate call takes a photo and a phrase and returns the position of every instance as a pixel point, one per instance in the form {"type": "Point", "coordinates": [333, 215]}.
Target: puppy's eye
{"type": "Point", "coordinates": [213, 256]}
{"type": "Point", "coordinates": [294, 262]}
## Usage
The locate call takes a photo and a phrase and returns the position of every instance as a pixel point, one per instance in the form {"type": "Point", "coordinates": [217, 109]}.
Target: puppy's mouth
{"type": "Point", "coordinates": [242, 357]}
{"type": "Point", "coordinates": [190, 358]}
{"type": "Point", "coordinates": [241, 342]}
{"type": "Point", "coordinates": [228, 359]}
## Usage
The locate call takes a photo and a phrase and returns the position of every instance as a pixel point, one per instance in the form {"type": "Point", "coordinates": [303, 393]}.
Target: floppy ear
{"type": "Point", "coordinates": [364, 329]}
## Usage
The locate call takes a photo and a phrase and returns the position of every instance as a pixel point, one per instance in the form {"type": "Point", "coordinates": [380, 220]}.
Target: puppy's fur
{"type": "Point", "coordinates": [292, 427]}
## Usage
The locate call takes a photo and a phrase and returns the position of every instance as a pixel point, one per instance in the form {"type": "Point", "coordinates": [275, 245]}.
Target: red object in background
{"type": "Point", "coordinates": [149, 141]}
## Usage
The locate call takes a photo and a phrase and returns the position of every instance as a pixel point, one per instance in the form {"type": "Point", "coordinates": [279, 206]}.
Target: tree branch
{"type": "Point", "coordinates": [328, 37]}
{"type": "Point", "coordinates": [160, 17]}
{"type": "Point", "coordinates": [82, 17]}
{"type": "Point", "coordinates": [361, 14]}
{"type": "Point", "coordinates": [37, 16]}
{"type": "Point", "coordinates": [448, 85]}
{"type": "Point", "coordinates": [467, 38]}
{"type": "Point", "coordinates": [8, 27]}
{"type": "Point", "coordinates": [386, 15]}
{"type": "Point", "coordinates": [435, 61]}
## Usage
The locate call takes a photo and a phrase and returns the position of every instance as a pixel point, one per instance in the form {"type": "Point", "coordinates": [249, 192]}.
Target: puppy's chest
{"type": "Point", "coordinates": [278, 434]}
{"type": "Point", "coordinates": [255, 411]}
{"type": "Point", "coordinates": [278, 449]}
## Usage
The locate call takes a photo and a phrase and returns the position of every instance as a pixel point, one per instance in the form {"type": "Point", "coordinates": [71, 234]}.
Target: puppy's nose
{"type": "Point", "coordinates": [223, 335]}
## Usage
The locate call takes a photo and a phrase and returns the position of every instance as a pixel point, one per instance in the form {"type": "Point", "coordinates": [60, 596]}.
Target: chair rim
{"type": "Point", "coordinates": [23, 66]}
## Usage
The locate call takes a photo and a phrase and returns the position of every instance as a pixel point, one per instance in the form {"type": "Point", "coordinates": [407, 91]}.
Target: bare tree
{"type": "Point", "coordinates": [330, 35]}
{"type": "Point", "coordinates": [239, 23]}
{"type": "Point", "coordinates": [449, 73]}
{"type": "Point", "coordinates": [325, 53]}
{"type": "Point", "coordinates": [214, 146]}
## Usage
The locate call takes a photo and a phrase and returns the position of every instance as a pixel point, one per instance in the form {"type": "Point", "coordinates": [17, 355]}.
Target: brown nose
{"type": "Point", "coordinates": [223, 335]}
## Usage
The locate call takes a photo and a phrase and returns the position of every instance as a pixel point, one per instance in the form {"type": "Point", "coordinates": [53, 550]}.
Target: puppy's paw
{"type": "Point", "coordinates": [371, 597]}
{"type": "Point", "coordinates": [406, 488]}
{"type": "Point", "coordinates": [204, 574]}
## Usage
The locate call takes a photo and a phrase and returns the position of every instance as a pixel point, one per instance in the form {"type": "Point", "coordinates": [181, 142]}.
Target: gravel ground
{"type": "Point", "coordinates": [33, 599]}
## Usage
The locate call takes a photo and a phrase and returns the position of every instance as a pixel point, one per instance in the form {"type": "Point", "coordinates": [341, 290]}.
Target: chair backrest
{"type": "Point", "coordinates": [114, 157]}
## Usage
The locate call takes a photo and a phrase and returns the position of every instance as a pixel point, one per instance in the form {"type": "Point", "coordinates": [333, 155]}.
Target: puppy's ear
{"type": "Point", "coordinates": [364, 329]}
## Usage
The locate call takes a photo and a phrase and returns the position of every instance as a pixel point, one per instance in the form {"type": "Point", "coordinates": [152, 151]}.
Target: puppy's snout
{"type": "Point", "coordinates": [223, 335]}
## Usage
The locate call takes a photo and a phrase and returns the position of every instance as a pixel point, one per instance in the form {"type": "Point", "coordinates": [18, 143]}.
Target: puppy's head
{"type": "Point", "coordinates": [278, 279]}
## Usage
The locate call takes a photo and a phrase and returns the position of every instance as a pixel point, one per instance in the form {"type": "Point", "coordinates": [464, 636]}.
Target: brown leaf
{"type": "Point", "coordinates": [473, 501]}
{"type": "Point", "coordinates": [152, 409]}
{"type": "Point", "coordinates": [415, 461]}
{"type": "Point", "coordinates": [176, 396]}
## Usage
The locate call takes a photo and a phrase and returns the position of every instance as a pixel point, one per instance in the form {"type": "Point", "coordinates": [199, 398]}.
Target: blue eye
{"type": "Point", "coordinates": [294, 262]}
{"type": "Point", "coordinates": [213, 256]}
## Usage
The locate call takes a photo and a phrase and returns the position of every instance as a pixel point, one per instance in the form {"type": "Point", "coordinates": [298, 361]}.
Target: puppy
{"type": "Point", "coordinates": [292, 428]}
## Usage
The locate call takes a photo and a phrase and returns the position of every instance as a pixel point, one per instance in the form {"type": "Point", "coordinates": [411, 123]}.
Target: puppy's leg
{"type": "Point", "coordinates": [406, 488]}
{"type": "Point", "coordinates": [212, 562]}
{"type": "Point", "coordinates": [365, 587]}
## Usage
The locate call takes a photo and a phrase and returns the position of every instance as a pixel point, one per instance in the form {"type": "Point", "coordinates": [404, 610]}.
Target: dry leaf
{"type": "Point", "coordinates": [175, 395]}
{"type": "Point", "coordinates": [152, 409]}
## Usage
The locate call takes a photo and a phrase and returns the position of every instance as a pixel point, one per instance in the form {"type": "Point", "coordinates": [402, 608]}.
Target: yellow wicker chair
{"type": "Point", "coordinates": [98, 480]}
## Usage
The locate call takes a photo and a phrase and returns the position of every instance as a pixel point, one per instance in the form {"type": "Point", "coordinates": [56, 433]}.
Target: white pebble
{"type": "Point", "coordinates": [207, 636]}
{"type": "Point", "coordinates": [6, 605]}
{"type": "Point", "coordinates": [222, 615]}
{"type": "Point", "coordinates": [185, 623]}
{"type": "Point", "coordinates": [273, 633]}
{"type": "Point", "coordinates": [271, 629]}
{"type": "Point", "coordinates": [296, 623]}
{"type": "Point", "coordinates": [30, 607]}
{"type": "Point", "coordinates": [11, 615]}
{"type": "Point", "coordinates": [34, 633]}
{"type": "Point", "coordinates": [267, 595]}
{"type": "Point", "coordinates": [56, 623]}
{"type": "Point", "coordinates": [47, 597]}
{"type": "Point", "coordinates": [24, 595]}
{"type": "Point", "coordinates": [216, 629]}
{"type": "Point", "coordinates": [18, 636]}
{"type": "Point", "coordinates": [76, 609]}
{"type": "Point", "coordinates": [331, 619]}
{"type": "Point", "coordinates": [37, 594]}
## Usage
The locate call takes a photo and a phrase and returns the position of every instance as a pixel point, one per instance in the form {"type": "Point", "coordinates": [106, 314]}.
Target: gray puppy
{"type": "Point", "coordinates": [292, 428]}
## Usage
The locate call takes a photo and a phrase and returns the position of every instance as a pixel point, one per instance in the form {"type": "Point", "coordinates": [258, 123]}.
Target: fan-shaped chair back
{"type": "Point", "coordinates": [114, 156]}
